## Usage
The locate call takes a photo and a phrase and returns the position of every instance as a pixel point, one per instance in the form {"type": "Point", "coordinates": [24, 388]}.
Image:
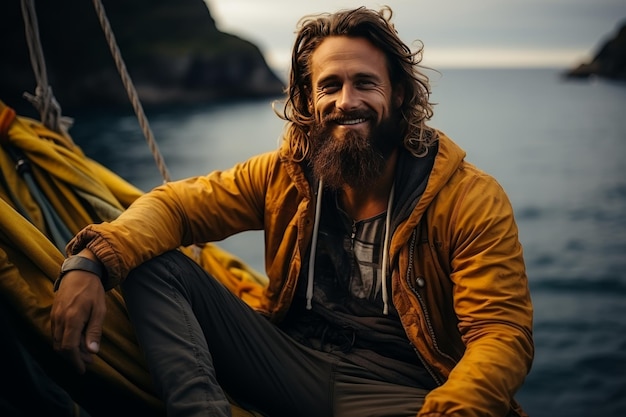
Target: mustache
{"type": "Point", "coordinates": [339, 116]}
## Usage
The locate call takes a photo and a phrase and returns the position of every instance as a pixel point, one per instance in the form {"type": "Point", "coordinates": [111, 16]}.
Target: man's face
{"type": "Point", "coordinates": [355, 108]}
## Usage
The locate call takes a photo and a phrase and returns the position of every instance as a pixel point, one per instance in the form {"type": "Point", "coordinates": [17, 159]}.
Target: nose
{"type": "Point", "coordinates": [347, 98]}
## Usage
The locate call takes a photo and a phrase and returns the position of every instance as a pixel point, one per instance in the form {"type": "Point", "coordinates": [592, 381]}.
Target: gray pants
{"type": "Point", "coordinates": [201, 341]}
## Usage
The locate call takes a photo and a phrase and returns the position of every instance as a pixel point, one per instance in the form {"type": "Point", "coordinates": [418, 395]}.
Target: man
{"type": "Point", "coordinates": [397, 285]}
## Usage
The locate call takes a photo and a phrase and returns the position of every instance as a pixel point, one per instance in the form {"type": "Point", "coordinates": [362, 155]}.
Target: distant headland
{"type": "Point", "coordinates": [609, 61]}
{"type": "Point", "coordinates": [172, 49]}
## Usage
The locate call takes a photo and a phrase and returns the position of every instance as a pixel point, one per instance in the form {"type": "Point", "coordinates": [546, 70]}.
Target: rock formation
{"type": "Point", "coordinates": [172, 49]}
{"type": "Point", "coordinates": [609, 62]}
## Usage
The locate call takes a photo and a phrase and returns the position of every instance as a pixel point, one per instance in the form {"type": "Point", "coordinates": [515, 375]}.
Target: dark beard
{"type": "Point", "coordinates": [353, 160]}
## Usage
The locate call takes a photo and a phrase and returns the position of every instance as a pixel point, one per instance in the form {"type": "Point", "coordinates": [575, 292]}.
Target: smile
{"type": "Point", "coordinates": [351, 121]}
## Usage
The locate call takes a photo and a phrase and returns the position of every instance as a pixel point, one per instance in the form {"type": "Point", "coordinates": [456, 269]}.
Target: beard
{"type": "Point", "coordinates": [354, 160]}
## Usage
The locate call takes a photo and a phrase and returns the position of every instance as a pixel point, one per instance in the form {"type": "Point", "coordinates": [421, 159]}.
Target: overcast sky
{"type": "Point", "coordinates": [467, 33]}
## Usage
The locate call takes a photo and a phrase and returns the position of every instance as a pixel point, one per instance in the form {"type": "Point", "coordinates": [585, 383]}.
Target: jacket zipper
{"type": "Point", "coordinates": [428, 322]}
{"type": "Point", "coordinates": [432, 373]}
{"type": "Point", "coordinates": [429, 325]}
{"type": "Point", "coordinates": [352, 235]}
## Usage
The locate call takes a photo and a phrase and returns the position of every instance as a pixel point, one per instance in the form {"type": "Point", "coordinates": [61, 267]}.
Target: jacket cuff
{"type": "Point", "coordinates": [92, 240]}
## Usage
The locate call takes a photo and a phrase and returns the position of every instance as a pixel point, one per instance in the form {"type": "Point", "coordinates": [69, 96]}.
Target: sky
{"type": "Point", "coordinates": [459, 33]}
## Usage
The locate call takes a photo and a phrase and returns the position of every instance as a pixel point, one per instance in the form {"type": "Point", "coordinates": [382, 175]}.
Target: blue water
{"type": "Point", "coordinates": [558, 148]}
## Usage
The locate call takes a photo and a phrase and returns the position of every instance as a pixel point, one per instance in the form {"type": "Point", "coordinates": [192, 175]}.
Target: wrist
{"type": "Point", "coordinates": [81, 263]}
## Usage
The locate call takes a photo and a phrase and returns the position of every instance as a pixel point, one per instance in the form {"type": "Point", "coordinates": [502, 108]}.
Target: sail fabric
{"type": "Point", "coordinates": [49, 190]}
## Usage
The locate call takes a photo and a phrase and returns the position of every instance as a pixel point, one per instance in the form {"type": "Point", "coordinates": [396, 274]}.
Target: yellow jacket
{"type": "Point", "coordinates": [458, 275]}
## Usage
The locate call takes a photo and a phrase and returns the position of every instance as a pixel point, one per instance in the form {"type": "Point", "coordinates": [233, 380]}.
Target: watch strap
{"type": "Point", "coordinates": [81, 263]}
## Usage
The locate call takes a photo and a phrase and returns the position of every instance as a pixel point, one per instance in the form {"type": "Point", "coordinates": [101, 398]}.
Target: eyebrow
{"type": "Point", "coordinates": [357, 76]}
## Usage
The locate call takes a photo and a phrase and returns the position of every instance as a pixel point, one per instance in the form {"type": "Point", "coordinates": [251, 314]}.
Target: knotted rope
{"type": "Point", "coordinates": [43, 100]}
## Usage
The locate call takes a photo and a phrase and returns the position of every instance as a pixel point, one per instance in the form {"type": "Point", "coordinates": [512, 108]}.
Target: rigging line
{"type": "Point", "coordinates": [43, 100]}
{"type": "Point", "coordinates": [130, 90]}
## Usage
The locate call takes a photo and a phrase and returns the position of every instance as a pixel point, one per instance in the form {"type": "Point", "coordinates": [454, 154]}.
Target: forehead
{"type": "Point", "coordinates": [342, 55]}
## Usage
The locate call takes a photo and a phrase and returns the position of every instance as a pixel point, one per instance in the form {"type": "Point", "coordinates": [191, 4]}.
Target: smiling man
{"type": "Point", "coordinates": [397, 284]}
{"type": "Point", "coordinates": [357, 134]}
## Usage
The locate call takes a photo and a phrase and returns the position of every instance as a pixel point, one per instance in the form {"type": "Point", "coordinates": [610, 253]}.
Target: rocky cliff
{"type": "Point", "coordinates": [172, 49]}
{"type": "Point", "coordinates": [609, 61]}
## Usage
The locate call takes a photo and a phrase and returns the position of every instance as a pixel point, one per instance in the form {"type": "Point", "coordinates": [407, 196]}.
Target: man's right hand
{"type": "Point", "coordinates": [77, 316]}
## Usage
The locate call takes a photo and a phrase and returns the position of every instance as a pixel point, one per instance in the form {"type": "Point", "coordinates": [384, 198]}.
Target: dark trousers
{"type": "Point", "coordinates": [201, 341]}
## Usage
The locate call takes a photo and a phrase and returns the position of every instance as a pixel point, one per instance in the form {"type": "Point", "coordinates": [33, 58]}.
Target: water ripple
{"type": "Point", "coordinates": [595, 285]}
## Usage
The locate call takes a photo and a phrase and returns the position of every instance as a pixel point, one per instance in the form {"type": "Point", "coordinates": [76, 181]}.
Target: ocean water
{"type": "Point", "coordinates": [558, 148]}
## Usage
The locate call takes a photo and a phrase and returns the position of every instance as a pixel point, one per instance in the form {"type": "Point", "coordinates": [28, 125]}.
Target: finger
{"type": "Point", "coordinates": [66, 332]}
{"type": "Point", "coordinates": [57, 321]}
{"type": "Point", "coordinates": [62, 337]}
{"type": "Point", "coordinates": [71, 347]}
{"type": "Point", "coordinates": [56, 328]}
{"type": "Point", "coordinates": [85, 355]}
{"type": "Point", "coordinates": [86, 358]}
{"type": "Point", "coordinates": [93, 331]}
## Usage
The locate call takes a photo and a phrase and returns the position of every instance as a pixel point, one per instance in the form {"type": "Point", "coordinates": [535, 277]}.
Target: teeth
{"type": "Point", "coordinates": [352, 121]}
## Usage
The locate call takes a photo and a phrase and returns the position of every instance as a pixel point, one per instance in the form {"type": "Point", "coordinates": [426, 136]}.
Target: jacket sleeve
{"type": "Point", "coordinates": [180, 213]}
{"type": "Point", "coordinates": [491, 301]}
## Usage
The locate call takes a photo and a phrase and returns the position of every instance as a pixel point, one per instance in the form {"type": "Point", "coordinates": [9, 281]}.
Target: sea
{"type": "Point", "coordinates": [557, 146]}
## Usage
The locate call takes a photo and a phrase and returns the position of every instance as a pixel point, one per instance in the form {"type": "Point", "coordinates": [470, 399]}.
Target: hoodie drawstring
{"type": "Point", "coordinates": [386, 252]}
{"type": "Point", "coordinates": [316, 226]}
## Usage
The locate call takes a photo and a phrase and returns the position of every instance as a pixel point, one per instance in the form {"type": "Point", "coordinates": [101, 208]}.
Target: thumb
{"type": "Point", "coordinates": [92, 338]}
{"type": "Point", "coordinates": [93, 346]}
{"type": "Point", "coordinates": [93, 330]}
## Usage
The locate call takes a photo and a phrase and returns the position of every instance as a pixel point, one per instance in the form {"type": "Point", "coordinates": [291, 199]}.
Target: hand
{"type": "Point", "coordinates": [77, 315]}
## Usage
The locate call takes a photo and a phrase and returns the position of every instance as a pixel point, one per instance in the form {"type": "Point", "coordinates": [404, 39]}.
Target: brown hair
{"type": "Point", "coordinates": [403, 65]}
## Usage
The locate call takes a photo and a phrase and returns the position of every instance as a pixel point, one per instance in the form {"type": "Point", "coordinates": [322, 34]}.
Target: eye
{"type": "Point", "coordinates": [330, 87]}
{"type": "Point", "coordinates": [365, 83]}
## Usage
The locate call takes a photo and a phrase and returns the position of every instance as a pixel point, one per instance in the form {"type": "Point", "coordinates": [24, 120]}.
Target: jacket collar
{"type": "Point", "coordinates": [417, 195]}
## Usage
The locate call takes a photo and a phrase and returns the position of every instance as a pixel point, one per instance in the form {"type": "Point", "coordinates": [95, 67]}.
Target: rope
{"type": "Point", "coordinates": [43, 100]}
{"type": "Point", "coordinates": [130, 90]}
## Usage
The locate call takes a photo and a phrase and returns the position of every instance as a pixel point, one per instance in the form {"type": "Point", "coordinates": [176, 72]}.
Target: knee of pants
{"type": "Point", "coordinates": [171, 271]}
{"type": "Point", "coordinates": [155, 272]}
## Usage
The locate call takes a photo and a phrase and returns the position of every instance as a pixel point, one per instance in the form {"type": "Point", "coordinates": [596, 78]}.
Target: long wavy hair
{"type": "Point", "coordinates": [403, 66]}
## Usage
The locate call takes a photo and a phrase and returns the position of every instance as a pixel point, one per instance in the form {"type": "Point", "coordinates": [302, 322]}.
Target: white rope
{"type": "Point", "coordinates": [43, 100]}
{"type": "Point", "coordinates": [130, 90]}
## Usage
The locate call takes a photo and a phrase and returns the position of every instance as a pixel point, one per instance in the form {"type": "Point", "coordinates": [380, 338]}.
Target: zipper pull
{"type": "Point", "coordinates": [420, 281]}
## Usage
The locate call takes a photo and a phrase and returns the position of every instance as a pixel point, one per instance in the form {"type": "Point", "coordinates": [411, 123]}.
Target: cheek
{"type": "Point", "coordinates": [387, 108]}
{"type": "Point", "coordinates": [319, 116]}
{"type": "Point", "coordinates": [318, 101]}
{"type": "Point", "coordinates": [321, 108]}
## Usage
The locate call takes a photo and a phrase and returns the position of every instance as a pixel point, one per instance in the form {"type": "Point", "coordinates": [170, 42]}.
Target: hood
{"type": "Point", "coordinates": [416, 194]}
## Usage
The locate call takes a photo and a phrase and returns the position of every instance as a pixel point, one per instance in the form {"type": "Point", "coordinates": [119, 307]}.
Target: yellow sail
{"type": "Point", "coordinates": [49, 190]}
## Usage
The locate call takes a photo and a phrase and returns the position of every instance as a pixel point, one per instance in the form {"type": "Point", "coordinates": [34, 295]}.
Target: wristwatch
{"type": "Point", "coordinates": [78, 263]}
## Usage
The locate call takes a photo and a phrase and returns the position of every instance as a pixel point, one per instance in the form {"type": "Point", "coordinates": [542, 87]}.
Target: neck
{"type": "Point", "coordinates": [368, 202]}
